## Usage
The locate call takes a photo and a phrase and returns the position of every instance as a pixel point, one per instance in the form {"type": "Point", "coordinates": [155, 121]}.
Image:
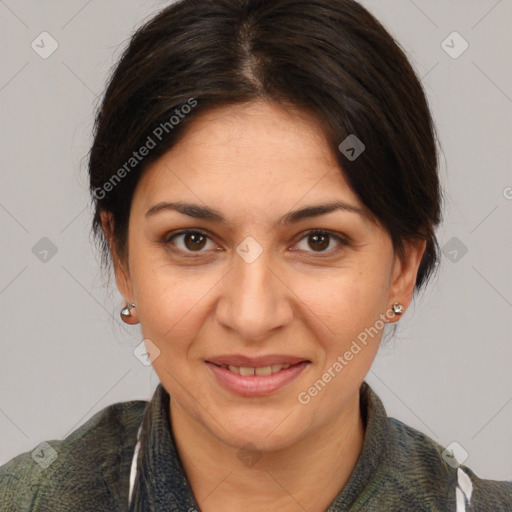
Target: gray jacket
{"type": "Point", "coordinates": [399, 469]}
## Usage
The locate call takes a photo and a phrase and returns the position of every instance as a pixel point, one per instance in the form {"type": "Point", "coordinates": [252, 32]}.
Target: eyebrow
{"type": "Point", "coordinates": [206, 213]}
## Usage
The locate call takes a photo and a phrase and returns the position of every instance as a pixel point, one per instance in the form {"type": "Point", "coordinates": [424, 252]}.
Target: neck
{"type": "Point", "coordinates": [306, 475]}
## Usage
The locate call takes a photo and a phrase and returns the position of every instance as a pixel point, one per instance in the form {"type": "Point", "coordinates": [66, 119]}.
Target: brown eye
{"type": "Point", "coordinates": [194, 241]}
{"type": "Point", "coordinates": [189, 241]}
{"type": "Point", "coordinates": [319, 241]}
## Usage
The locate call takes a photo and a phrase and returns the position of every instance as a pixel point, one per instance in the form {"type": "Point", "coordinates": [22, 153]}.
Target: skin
{"type": "Point", "coordinates": [254, 163]}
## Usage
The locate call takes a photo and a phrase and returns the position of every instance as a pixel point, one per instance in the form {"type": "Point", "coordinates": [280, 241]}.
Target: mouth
{"type": "Point", "coordinates": [247, 371]}
{"type": "Point", "coordinates": [256, 376]}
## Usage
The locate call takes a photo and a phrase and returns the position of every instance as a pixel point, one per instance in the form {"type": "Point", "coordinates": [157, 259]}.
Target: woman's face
{"type": "Point", "coordinates": [259, 289]}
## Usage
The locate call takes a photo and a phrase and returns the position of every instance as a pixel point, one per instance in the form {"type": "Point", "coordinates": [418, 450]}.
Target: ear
{"type": "Point", "coordinates": [121, 270]}
{"type": "Point", "coordinates": [405, 270]}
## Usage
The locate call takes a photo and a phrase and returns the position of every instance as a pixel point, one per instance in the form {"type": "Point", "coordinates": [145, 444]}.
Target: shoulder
{"type": "Point", "coordinates": [421, 467]}
{"type": "Point", "coordinates": [85, 471]}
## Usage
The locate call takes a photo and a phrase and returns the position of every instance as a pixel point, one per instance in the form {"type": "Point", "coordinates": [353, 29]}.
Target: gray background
{"type": "Point", "coordinates": [66, 354]}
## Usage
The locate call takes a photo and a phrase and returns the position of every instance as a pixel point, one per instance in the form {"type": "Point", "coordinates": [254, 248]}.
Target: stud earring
{"type": "Point", "coordinates": [126, 314]}
{"type": "Point", "coordinates": [398, 308]}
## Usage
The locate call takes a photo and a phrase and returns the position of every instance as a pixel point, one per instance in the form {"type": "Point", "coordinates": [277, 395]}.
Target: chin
{"type": "Point", "coordinates": [264, 431]}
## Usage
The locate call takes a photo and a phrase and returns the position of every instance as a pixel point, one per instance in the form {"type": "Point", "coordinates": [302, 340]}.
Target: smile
{"type": "Point", "coordinates": [247, 371]}
{"type": "Point", "coordinates": [257, 380]}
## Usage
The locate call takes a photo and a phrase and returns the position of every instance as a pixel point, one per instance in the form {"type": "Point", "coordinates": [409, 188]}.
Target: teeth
{"type": "Point", "coordinates": [261, 370]}
{"type": "Point", "coordinates": [277, 367]}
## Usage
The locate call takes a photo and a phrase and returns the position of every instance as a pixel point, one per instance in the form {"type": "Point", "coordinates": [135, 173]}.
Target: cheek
{"type": "Point", "coordinates": [171, 308]}
{"type": "Point", "coordinates": [345, 320]}
{"type": "Point", "coordinates": [347, 300]}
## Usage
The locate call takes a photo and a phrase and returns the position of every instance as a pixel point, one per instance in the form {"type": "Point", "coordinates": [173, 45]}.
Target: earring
{"type": "Point", "coordinates": [126, 314]}
{"type": "Point", "coordinates": [398, 309]}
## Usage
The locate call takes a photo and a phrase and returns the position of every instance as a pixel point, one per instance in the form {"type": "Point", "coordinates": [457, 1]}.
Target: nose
{"type": "Point", "coordinates": [255, 300]}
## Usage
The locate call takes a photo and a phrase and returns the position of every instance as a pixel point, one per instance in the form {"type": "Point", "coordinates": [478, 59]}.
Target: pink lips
{"type": "Point", "coordinates": [256, 385]}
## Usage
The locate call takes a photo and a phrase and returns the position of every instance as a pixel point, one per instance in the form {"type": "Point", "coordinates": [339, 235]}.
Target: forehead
{"type": "Point", "coordinates": [258, 154]}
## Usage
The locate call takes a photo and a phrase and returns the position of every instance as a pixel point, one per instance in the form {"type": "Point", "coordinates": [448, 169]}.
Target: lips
{"type": "Point", "coordinates": [256, 376]}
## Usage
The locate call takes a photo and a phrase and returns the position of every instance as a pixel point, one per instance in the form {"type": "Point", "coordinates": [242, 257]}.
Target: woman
{"type": "Point", "coordinates": [264, 177]}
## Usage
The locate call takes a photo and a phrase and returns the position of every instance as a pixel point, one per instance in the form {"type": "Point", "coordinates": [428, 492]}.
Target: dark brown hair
{"type": "Point", "coordinates": [329, 58]}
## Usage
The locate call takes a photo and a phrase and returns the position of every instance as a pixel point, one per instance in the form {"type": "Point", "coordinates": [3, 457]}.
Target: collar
{"type": "Point", "coordinates": [161, 484]}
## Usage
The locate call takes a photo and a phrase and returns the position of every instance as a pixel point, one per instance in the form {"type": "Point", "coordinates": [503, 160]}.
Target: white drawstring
{"type": "Point", "coordinates": [133, 469]}
{"type": "Point", "coordinates": [464, 490]}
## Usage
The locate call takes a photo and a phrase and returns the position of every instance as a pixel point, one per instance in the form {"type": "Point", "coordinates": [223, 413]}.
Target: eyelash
{"type": "Point", "coordinates": [167, 241]}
